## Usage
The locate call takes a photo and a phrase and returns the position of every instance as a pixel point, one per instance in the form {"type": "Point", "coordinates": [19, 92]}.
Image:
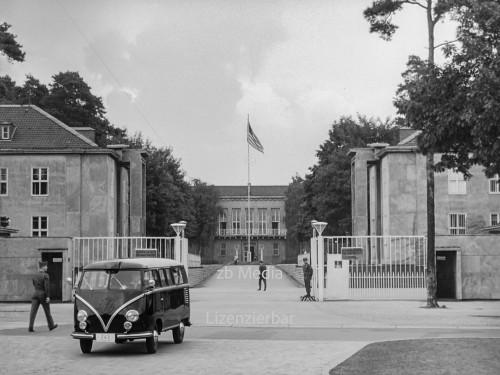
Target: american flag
{"type": "Point", "coordinates": [253, 140]}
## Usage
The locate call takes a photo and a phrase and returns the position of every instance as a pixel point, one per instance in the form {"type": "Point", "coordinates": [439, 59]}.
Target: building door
{"type": "Point", "coordinates": [54, 260]}
{"type": "Point", "coordinates": [446, 274]}
{"type": "Point", "coordinates": [250, 255]}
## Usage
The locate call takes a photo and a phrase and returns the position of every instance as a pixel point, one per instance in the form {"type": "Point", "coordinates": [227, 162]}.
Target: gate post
{"type": "Point", "coordinates": [178, 228]}
{"type": "Point", "coordinates": [314, 264]}
{"type": "Point", "coordinates": [319, 227]}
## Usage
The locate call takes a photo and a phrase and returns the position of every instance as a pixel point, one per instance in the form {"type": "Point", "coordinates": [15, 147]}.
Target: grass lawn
{"type": "Point", "coordinates": [425, 357]}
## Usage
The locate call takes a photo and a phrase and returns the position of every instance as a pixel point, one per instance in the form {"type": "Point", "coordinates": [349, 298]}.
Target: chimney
{"type": "Point", "coordinates": [405, 133]}
{"type": "Point", "coordinates": [87, 132]}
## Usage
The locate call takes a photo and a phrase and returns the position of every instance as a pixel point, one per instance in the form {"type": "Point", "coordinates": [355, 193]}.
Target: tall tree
{"type": "Point", "coordinates": [9, 92]}
{"type": "Point", "coordinates": [463, 96]}
{"type": "Point", "coordinates": [327, 188]}
{"type": "Point", "coordinates": [205, 198]}
{"type": "Point", "coordinates": [379, 15]}
{"type": "Point", "coordinates": [294, 219]}
{"type": "Point", "coordinates": [33, 92]}
{"type": "Point", "coordinates": [168, 195]}
{"type": "Point", "coordinates": [9, 47]}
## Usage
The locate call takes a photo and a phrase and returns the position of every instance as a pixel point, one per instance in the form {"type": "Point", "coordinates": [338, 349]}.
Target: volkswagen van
{"type": "Point", "coordinates": [123, 300]}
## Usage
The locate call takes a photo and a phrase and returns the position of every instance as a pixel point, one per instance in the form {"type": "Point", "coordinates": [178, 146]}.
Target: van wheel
{"type": "Point", "coordinates": [178, 333]}
{"type": "Point", "coordinates": [152, 342]}
{"type": "Point", "coordinates": [86, 346]}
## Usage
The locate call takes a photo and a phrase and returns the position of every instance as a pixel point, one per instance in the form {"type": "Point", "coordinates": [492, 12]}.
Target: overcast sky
{"type": "Point", "coordinates": [187, 73]}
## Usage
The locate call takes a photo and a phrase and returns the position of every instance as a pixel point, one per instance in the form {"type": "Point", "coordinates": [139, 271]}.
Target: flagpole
{"type": "Point", "coordinates": [248, 220]}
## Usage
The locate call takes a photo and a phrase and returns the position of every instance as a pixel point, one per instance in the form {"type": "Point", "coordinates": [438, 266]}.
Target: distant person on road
{"type": "Point", "coordinates": [262, 275]}
{"type": "Point", "coordinates": [236, 259]}
{"type": "Point", "coordinates": [308, 273]}
{"type": "Point", "coordinates": [41, 296]}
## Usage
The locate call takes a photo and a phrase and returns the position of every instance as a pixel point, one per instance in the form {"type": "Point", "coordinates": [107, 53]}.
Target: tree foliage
{"type": "Point", "coordinates": [457, 106]}
{"type": "Point", "coordinates": [294, 219]}
{"type": "Point", "coordinates": [9, 46]}
{"type": "Point", "coordinates": [168, 194]}
{"type": "Point", "coordinates": [325, 193]}
{"type": "Point", "coordinates": [379, 15]}
{"type": "Point", "coordinates": [205, 198]}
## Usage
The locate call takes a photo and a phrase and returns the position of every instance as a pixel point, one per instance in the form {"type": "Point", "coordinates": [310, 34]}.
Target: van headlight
{"type": "Point", "coordinates": [132, 316]}
{"type": "Point", "coordinates": [81, 316]}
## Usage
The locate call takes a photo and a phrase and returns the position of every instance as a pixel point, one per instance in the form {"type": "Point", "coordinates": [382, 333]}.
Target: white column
{"type": "Point", "coordinates": [321, 267]}
{"type": "Point", "coordinates": [177, 248]}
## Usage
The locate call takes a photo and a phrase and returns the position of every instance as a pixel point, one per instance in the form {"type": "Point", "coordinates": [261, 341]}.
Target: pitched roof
{"type": "Point", "coordinates": [255, 191]}
{"type": "Point", "coordinates": [36, 129]}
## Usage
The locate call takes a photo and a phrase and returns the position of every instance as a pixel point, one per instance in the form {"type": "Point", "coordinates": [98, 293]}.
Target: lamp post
{"type": "Point", "coordinates": [179, 230]}
{"type": "Point", "coordinates": [319, 227]}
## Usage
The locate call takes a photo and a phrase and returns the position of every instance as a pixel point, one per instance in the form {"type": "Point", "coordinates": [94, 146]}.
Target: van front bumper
{"type": "Point", "coordinates": [118, 336]}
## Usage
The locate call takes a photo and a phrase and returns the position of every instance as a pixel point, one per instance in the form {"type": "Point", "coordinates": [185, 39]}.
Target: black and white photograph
{"type": "Point", "coordinates": [242, 187]}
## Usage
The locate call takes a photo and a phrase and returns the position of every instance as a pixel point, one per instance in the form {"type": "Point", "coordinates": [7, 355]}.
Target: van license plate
{"type": "Point", "coordinates": [104, 337]}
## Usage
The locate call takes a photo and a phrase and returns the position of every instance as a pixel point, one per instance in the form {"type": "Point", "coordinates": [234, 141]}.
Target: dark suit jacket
{"type": "Point", "coordinates": [41, 284]}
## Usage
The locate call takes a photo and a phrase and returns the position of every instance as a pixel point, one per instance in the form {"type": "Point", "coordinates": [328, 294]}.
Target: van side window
{"type": "Point", "coordinates": [168, 276]}
{"type": "Point", "coordinates": [156, 278]}
{"type": "Point", "coordinates": [176, 275]}
{"type": "Point", "coordinates": [162, 277]}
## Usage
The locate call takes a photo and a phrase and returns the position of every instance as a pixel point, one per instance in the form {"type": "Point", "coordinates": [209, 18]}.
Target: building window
{"type": "Point", "coordinates": [262, 221]}
{"type": "Point", "coordinates": [4, 181]}
{"type": "Point", "coordinates": [40, 181]}
{"type": "Point", "coordinates": [275, 220]}
{"type": "Point", "coordinates": [276, 248]}
{"type": "Point", "coordinates": [249, 220]}
{"type": "Point", "coordinates": [236, 220]}
{"type": "Point", "coordinates": [457, 223]}
{"type": "Point", "coordinates": [456, 183]}
{"type": "Point", "coordinates": [222, 249]}
{"type": "Point", "coordinates": [495, 185]}
{"type": "Point", "coordinates": [5, 134]}
{"type": "Point", "coordinates": [223, 221]}
{"type": "Point", "coordinates": [495, 219]}
{"type": "Point", "coordinates": [40, 226]}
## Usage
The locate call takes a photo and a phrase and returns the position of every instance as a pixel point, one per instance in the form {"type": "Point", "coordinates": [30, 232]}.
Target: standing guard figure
{"type": "Point", "coordinates": [308, 273]}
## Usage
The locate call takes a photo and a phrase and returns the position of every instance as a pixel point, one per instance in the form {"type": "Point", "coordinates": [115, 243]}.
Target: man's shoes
{"type": "Point", "coordinates": [31, 330]}
{"type": "Point", "coordinates": [258, 289]}
{"type": "Point", "coordinates": [54, 327]}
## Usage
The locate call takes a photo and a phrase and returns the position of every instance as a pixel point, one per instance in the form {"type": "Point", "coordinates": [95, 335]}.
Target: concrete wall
{"type": "Point", "coordinates": [359, 191]}
{"type": "Point", "coordinates": [480, 264]}
{"type": "Point", "coordinates": [477, 203]}
{"type": "Point", "coordinates": [19, 262]}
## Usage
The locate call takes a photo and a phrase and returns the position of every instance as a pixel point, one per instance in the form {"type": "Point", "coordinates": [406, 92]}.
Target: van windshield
{"type": "Point", "coordinates": [111, 279]}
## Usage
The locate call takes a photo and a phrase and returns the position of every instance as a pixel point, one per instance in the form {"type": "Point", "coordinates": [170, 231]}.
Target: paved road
{"type": "Point", "coordinates": [239, 330]}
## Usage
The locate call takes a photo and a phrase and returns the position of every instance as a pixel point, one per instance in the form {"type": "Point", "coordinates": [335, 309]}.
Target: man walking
{"type": "Point", "coordinates": [308, 272]}
{"type": "Point", "coordinates": [41, 296]}
{"type": "Point", "coordinates": [262, 275]}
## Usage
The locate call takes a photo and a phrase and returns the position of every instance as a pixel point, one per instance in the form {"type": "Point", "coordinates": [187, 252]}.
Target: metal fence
{"type": "Point", "coordinates": [381, 267]}
{"type": "Point", "coordinates": [91, 249]}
